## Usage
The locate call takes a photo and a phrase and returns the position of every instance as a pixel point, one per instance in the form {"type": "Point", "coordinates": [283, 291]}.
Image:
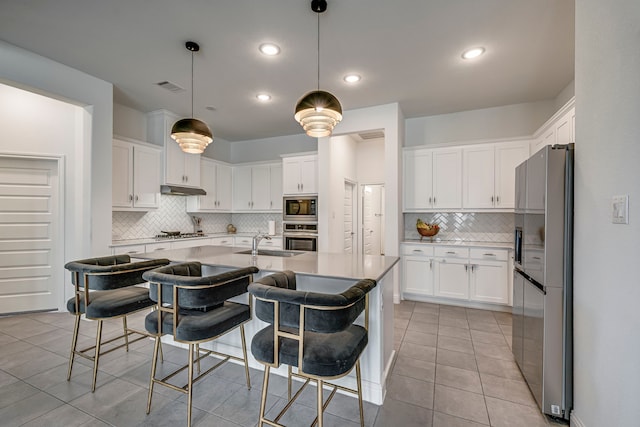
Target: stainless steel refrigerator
{"type": "Point", "coordinates": [542, 278]}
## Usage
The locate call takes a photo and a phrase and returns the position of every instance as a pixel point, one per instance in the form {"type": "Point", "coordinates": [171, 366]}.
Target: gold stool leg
{"type": "Point", "coordinates": [96, 356]}
{"type": "Point", "coordinates": [74, 343]}
{"type": "Point", "coordinates": [154, 362]}
{"type": "Point", "coordinates": [289, 369]}
{"type": "Point", "coordinates": [319, 402]}
{"type": "Point", "coordinates": [190, 385]}
{"type": "Point", "coordinates": [244, 355]}
{"type": "Point", "coordinates": [359, 381]}
{"type": "Point", "coordinates": [263, 400]}
{"type": "Point", "coordinates": [126, 335]}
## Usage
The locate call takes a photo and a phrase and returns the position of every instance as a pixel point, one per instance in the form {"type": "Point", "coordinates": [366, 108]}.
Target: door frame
{"type": "Point", "coordinates": [361, 213]}
{"type": "Point", "coordinates": [354, 215]}
{"type": "Point", "coordinates": [58, 233]}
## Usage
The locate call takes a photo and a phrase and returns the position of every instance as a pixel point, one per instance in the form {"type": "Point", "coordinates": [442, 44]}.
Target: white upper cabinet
{"type": "Point", "coordinates": [432, 179]}
{"type": "Point", "coordinates": [135, 175]}
{"type": "Point", "coordinates": [275, 180]}
{"type": "Point", "coordinates": [488, 174]}
{"type": "Point", "coordinates": [254, 188]}
{"type": "Point", "coordinates": [215, 179]}
{"type": "Point", "coordinates": [180, 168]}
{"type": "Point", "coordinates": [300, 174]}
{"type": "Point", "coordinates": [559, 129]}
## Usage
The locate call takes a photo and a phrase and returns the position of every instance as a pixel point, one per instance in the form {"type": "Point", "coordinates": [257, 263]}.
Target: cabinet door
{"type": "Point", "coordinates": [452, 279]}
{"type": "Point", "coordinates": [122, 174]}
{"type": "Point", "coordinates": [489, 282]}
{"type": "Point", "coordinates": [191, 169]}
{"type": "Point", "coordinates": [417, 179]}
{"type": "Point", "coordinates": [447, 178]}
{"type": "Point", "coordinates": [275, 177]}
{"type": "Point", "coordinates": [291, 176]}
{"type": "Point", "coordinates": [260, 188]}
{"type": "Point", "coordinates": [242, 188]}
{"type": "Point", "coordinates": [478, 177]}
{"type": "Point", "coordinates": [173, 164]}
{"type": "Point", "coordinates": [146, 177]}
{"type": "Point", "coordinates": [508, 156]}
{"type": "Point", "coordinates": [208, 182]}
{"type": "Point", "coordinates": [418, 275]}
{"type": "Point", "coordinates": [223, 188]}
{"type": "Point", "coordinates": [308, 175]}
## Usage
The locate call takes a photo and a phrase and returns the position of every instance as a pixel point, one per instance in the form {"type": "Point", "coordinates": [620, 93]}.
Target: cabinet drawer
{"type": "Point", "coordinates": [275, 242]}
{"type": "Point", "coordinates": [452, 252]}
{"type": "Point", "coordinates": [128, 250]}
{"type": "Point", "coordinates": [488, 254]}
{"type": "Point", "coordinates": [417, 250]}
{"type": "Point", "coordinates": [242, 241]}
{"type": "Point", "coordinates": [152, 247]}
{"type": "Point", "coordinates": [222, 241]}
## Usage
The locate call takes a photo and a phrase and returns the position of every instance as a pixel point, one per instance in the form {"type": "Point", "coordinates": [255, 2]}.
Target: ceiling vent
{"type": "Point", "coordinates": [171, 87]}
{"type": "Point", "coordinates": [373, 134]}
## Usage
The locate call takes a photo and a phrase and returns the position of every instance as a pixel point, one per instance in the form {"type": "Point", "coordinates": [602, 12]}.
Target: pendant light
{"type": "Point", "coordinates": [191, 134]}
{"type": "Point", "coordinates": [318, 111]}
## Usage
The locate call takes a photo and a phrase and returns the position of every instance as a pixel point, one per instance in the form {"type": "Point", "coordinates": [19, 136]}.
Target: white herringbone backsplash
{"type": "Point", "coordinates": [464, 226]}
{"type": "Point", "coordinates": [172, 216]}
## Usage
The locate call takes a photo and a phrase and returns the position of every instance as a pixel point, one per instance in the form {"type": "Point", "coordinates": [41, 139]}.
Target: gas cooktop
{"type": "Point", "coordinates": [177, 235]}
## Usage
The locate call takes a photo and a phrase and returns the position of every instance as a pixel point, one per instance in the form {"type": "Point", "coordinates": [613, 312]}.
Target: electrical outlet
{"type": "Point", "coordinates": [555, 410]}
{"type": "Point", "coordinates": [620, 209]}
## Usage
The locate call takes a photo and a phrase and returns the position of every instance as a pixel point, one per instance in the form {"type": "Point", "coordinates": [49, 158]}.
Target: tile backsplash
{"type": "Point", "coordinates": [172, 216]}
{"type": "Point", "coordinates": [464, 226]}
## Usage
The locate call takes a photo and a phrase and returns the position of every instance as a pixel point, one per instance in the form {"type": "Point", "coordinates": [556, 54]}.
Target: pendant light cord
{"type": "Point", "coordinates": [191, 83]}
{"type": "Point", "coordinates": [318, 51]}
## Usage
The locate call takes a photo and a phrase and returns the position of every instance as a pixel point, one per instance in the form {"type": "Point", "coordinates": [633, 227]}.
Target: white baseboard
{"type": "Point", "coordinates": [574, 421]}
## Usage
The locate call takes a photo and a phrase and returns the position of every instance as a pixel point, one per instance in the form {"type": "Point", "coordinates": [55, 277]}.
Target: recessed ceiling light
{"type": "Point", "coordinates": [269, 49]}
{"type": "Point", "coordinates": [352, 78]}
{"type": "Point", "coordinates": [264, 97]}
{"type": "Point", "coordinates": [473, 53]}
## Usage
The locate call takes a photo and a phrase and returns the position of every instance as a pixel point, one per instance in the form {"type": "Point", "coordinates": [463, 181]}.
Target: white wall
{"type": "Point", "coordinates": [271, 148]}
{"type": "Point", "coordinates": [342, 158]}
{"type": "Point", "coordinates": [370, 161]}
{"type": "Point", "coordinates": [606, 283]}
{"type": "Point", "coordinates": [130, 123]}
{"type": "Point", "coordinates": [488, 123]}
{"type": "Point", "coordinates": [89, 229]}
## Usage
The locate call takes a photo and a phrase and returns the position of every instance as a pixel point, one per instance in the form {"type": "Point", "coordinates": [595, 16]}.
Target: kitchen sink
{"type": "Point", "coordinates": [272, 252]}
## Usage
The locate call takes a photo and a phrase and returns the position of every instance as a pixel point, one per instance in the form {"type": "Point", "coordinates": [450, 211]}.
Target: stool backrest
{"type": "Point", "coordinates": [325, 313]}
{"type": "Point", "coordinates": [110, 272]}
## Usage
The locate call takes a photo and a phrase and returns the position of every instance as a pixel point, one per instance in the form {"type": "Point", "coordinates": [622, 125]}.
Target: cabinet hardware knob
{"type": "Point", "coordinates": [451, 252]}
{"type": "Point", "coordinates": [491, 199]}
{"type": "Point", "coordinates": [466, 267]}
{"type": "Point", "coordinates": [130, 197]}
{"type": "Point", "coordinates": [489, 254]}
{"type": "Point", "coordinates": [434, 201]}
{"type": "Point", "coordinates": [415, 250]}
{"type": "Point", "coordinates": [497, 199]}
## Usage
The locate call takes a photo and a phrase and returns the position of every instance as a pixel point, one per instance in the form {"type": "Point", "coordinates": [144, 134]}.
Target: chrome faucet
{"type": "Point", "coordinates": [256, 242]}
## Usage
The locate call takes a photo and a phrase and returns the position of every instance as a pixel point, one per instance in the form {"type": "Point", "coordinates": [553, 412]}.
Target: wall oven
{"type": "Point", "coordinates": [300, 236]}
{"type": "Point", "coordinates": [300, 208]}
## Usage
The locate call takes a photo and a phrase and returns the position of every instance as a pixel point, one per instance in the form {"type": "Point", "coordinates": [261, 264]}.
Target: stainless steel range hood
{"type": "Point", "coordinates": [176, 190]}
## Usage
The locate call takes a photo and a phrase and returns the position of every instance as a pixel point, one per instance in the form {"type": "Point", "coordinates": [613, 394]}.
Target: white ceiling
{"type": "Point", "coordinates": [407, 51]}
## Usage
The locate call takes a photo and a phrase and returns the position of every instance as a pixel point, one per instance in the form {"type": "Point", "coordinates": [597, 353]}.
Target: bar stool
{"type": "Point", "coordinates": [105, 289]}
{"type": "Point", "coordinates": [314, 332]}
{"type": "Point", "coordinates": [195, 309]}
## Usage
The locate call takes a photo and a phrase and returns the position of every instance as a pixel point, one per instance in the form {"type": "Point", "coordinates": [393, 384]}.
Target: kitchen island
{"type": "Point", "coordinates": [320, 272]}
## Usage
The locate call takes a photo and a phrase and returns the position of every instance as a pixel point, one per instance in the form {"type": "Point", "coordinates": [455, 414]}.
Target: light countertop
{"type": "Point", "coordinates": [144, 241]}
{"type": "Point", "coordinates": [426, 241]}
{"type": "Point", "coordinates": [335, 265]}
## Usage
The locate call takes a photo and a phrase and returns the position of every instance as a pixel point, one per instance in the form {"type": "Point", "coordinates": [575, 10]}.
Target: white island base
{"type": "Point", "coordinates": [318, 272]}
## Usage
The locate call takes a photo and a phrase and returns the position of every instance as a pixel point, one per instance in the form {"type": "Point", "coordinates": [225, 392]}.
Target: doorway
{"type": "Point", "coordinates": [350, 215]}
{"type": "Point", "coordinates": [31, 273]}
{"type": "Point", "coordinates": [373, 219]}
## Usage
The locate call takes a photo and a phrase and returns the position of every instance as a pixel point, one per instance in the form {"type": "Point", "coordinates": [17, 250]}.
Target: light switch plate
{"type": "Point", "coordinates": [620, 209]}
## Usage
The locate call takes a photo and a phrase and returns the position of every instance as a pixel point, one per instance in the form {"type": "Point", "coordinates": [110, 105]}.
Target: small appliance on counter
{"type": "Point", "coordinates": [272, 228]}
{"type": "Point", "coordinates": [231, 229]}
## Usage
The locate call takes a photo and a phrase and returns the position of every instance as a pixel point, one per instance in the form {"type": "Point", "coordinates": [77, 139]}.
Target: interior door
{"type": "Point", "coordinates": [373, 219]}
{"type": "Point", "coordinates": [31, 270]}
{"type": "Point", "coordinates": [349, 217]}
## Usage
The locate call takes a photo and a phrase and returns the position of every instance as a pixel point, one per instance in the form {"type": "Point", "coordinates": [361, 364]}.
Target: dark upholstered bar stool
{"type": "Point", "coordinates": [105, 289]}
{"type": "Point", "coordinates": [314, 332]}
{"type": "Point", "coordinates": [194, 309]}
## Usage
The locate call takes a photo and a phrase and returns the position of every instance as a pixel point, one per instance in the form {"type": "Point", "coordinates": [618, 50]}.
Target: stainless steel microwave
{"type": "Point", "coordinates": [303, 208]}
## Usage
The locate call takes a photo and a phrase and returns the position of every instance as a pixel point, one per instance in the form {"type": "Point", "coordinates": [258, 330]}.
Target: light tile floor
{"type": "Point", "coordinates": [453, 368]}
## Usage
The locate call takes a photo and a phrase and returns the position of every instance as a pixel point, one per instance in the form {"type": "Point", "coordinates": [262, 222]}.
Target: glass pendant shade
{"type": "Point", "coordinates": [192, 135]}
{"type": "Point", "coordinates": [318, 112]}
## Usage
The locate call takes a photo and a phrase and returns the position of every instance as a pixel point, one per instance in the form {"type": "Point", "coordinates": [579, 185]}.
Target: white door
{"type": "Point", "coordinates": [349, 217]}
{"type": "Point", "coordinates": [372, 219]}
{"type": "Point", "coordinates": [31, 238]}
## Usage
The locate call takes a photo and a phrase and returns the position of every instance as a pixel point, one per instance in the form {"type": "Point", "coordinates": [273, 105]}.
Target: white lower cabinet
{"type": "Point", "coordinates": [222, 241]}
{"type": "Point", "coordinates": [273, 243]}
{"type": "Point", "coordinates": [128, 250]}
{"type": "Point", "coordinates": [441, 273]}
{"type": "Point", "coordinates": [243, 241]}
{"type": "Point", "coordinates": [418, 269]}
